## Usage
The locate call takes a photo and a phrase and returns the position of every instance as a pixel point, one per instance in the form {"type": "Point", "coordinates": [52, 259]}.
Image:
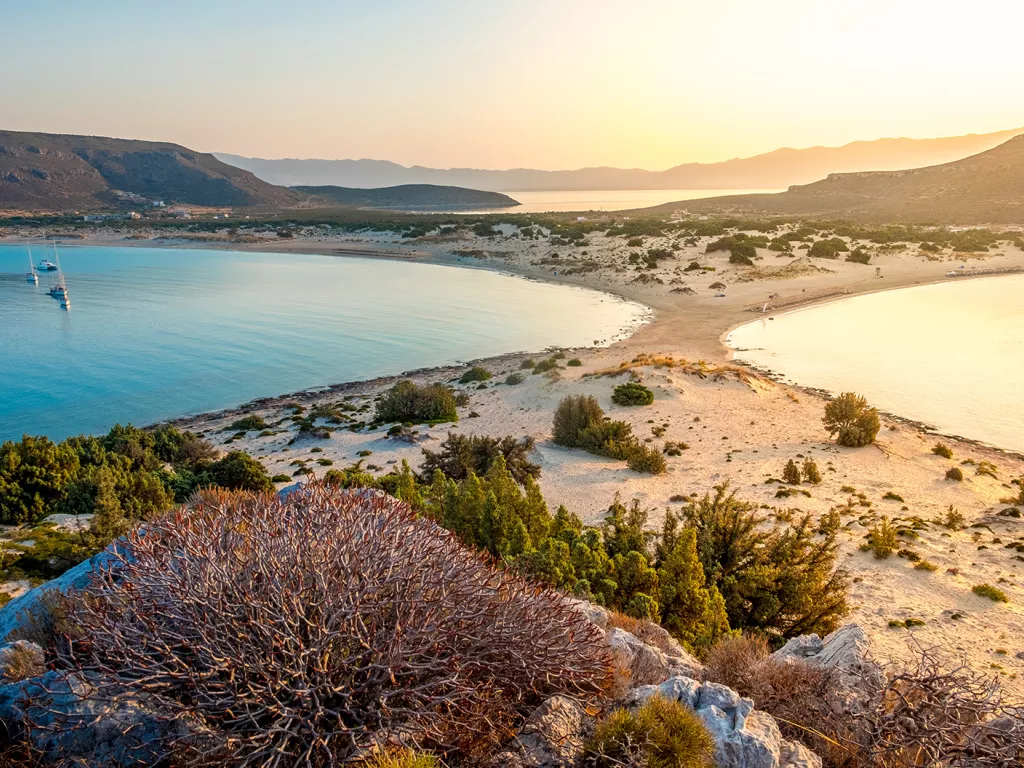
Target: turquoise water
{"type": "Point", "coordinates": [159, 333]}
{"type": "Point", "coordinates": [950, 355]}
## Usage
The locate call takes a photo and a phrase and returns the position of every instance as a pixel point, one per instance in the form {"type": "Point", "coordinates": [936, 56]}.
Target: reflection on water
{"type": "Point", "coordinates": [157, 333]}
{"type": "Point", "coordinates": [544, 201]}
{"type": "Point", "coordinates": [950, 355]}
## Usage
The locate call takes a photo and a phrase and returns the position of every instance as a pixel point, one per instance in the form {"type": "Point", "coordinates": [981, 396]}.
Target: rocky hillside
{"type": "Point", "coordinates": [987, 188]}
{"type": "Point", "coordinates": [53, 172]}
{"type": "Point", "coordinates": [423, 196]}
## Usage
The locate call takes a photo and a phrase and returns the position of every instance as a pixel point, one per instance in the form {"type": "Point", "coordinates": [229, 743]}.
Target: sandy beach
{"type": "Point", "coordinates": [741, 427]}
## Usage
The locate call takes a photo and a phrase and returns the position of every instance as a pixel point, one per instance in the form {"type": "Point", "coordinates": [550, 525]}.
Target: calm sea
{"type": "Point", "coordinates": [608, 200]}
{"type": "Point", "coordinates": [950, 355]}
{"type": "Point", "coordinates": [158, 333]}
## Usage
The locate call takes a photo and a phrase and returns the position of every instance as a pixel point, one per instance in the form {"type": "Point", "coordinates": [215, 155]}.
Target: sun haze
{"type": "Point", "coordinates": [553, 84]}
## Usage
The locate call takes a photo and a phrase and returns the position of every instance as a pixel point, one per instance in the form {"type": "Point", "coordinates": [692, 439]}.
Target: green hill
{"type": "Point", "coordinates": [425, 196]}
{"type": "Point", "coordinates": [986, 188]}
{"type": "Point", "coordinates": [54, 172]}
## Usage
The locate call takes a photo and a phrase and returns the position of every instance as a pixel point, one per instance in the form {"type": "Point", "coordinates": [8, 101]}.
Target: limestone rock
{"type": "Point", "coordinates": [552, 737]}
{"type": "Point", "coordinates": [848, 652]}
{"type": "Point", "coordinates": [29, 615]}
{"type": "Point", "coordinates": [744, 737]}
{"type": "Point", "coordinates": [70, 720]}
{"type": "Point", "coordinates": [634, 662]}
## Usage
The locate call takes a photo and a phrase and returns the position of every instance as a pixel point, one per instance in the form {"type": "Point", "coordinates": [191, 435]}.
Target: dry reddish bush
{"type": "Point", "coordinates": [642, 629]}
{"type": "Point", "coordinates": [796, 693]}
{"type": "Point", "coordinates": [306, 630]}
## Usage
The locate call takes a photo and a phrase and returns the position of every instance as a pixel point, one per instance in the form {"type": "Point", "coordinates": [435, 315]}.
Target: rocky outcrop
{"type": "Point", "coordinates": [744, 737]}
{"type": "Point", "coordinates": [636, 661]}
{"type": "Point", "coordinates": [553, 737]}
{"type": "Point", "coordinates": [30, 616]}
{"type": "Point", "coordinates": [67, 717]}
{"type": "Point", "coordinates": [847, 652]}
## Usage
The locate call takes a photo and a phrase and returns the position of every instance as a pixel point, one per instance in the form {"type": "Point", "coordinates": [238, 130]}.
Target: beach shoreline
{"type": "Point", "coordinates": [741, 427]}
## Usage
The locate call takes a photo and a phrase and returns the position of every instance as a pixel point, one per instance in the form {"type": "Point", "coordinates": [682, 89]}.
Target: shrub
{"type": "Point", "coordinates": [943, 450]}
{"type": "Point", "coordinates": [372, 617]}
{"type": "Point", "coordinates": [632, 393]}
{"type": "Point", "coordinates": [955, 473]}
{"type": "Point", "coordinates": [461, 455]}
{"type": "Point", "coordinates": [954, 519]}
{"type": "Point", "coordinates": [647, 460]}
{"type": "Point", "coordinates": [828, 249]}
{"type": "Point", "coordinates": [811, 472]}
{"type": "Point", "coordinates": [514, 378]}
{"type": "Point", "coordinates": [574, 415]}
{"type": "Point", "coordinates": [407, 401]}
{"type": "Point", "coordinates": [406, 758]}
{"type": "Point", "coordinates": [661, 734]}
{"type": "Point", "coordinates": [926, 565]}
{"type": "Point", "coordinates": [791, 474]}
{"type": "Point", "coordinates": [892, 496]}
{"type": "Point", "coordinates": [476, 373]}
{"type": "Point", "coordinates": [544, 366]}
{"type": "Point", "coordinates": [241, 472]}
{"type": "Point", "coordinates": [992, 593]}
{"type": "Point", "coordinates": [849, 419]}
{"type": "Point", "coordinates": [248, 423]}
{"type": "Point", "coordinates": [574, 362]}
{"type": "Point", "coordinates": [280, 479]}
{"type": "Point", "coordinates": [859, 256]}
{"type": "Point", "coordinates": [781, 581]}
{"type": "Point", "coordinates": [527, 364]}
{"type": "Point", "coordinates": [796, 692]}
{"type": "Point", "coordinates": [882, 539]}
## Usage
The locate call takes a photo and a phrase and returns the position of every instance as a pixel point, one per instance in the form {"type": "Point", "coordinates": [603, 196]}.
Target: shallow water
{"type": "Point", "coordinates": [159, 333]}
{"type": "Point", "coordinates": [950, 355]}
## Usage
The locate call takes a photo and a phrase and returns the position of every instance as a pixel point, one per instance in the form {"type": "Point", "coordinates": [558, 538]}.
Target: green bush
{"type": "Point", "coordinates": [791, 473]}
{"type": "Point", "coordinates": [514, 378]}
{"type": "Point", "coordinates": [248, 424]}
{"type": "Point", "coordinates": [851, 421]}
{"type": "Point", "coordinates": [811, 472]}
{"type": "Point", "coordinates": [992, 593]}
{"type": "Point", "coordinates": [406, 758]}
{"type": "Point", "coordinates": [574, 363]}
{"type": "Point", "coordinates": [647, 460]}
{"type": "Point", "coordinates": [632, 393]}
{"type": "Point", "coordinates": [882, 539]}
{"type": "Point", "coordinates": [660, 734]}
{"type": "Point", "coordinates": [779, 581]}
{"type": "Point", "coordinates": [476, 373]}
{"type": "Point", "coordinates": [859, 256]}
{"type": "Point", "coordinates": [575, 415]}
{"type": "Point", "coordinates": [280, 479]}
{"type": "Point", "coordinates": [544, 366]}
{"type": "Point", "coordinates": [407, 401]}
{"type": "Point", "coordinates": [828, 249]}
{"type": "Point", "coordinates": [943, 450]}
{"type": "Point", "coordinates": [955, 473]}
{"type": "Point", "coordinates": [239, 471]}
{"type": "Point", "coordinates": [462, 455]}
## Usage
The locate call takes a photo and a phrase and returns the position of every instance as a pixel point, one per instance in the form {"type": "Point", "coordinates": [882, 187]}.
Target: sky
{"type": "Point", "coordinates": [512, 83]}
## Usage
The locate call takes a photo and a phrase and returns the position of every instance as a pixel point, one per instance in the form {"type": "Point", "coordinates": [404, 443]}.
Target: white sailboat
{"type": "Point", "coordinates": [31, 276]}
{"type": "Point", "coordinates": [60, 288]}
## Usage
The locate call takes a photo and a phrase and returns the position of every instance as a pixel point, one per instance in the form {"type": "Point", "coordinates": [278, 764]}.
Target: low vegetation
{"type": "Point", "coordinates": [475, 374]}
{"type": "Point", "coordinates": [122, 478]}
{"type": "Point", "coordinates": [632, 393]}
{"type": "Point", "coordinates": [408, 401]}
{"type": "Point", "coordinates": [580, 422]}
{"type": "Point", "coordinates": [379, 666]}
{"type": "Point", "coordinates": [851, 421]}
{"type": "Point", "coordinates": [463, 455]}
{"type": "Point", "coordinates": [992, 593]}
{"type": "Point", "coordinates": [659, 734]}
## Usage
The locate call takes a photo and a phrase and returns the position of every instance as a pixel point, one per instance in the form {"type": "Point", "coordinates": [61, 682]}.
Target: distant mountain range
{"type": "Point", "coordinates": [424, 196]}
{"type": "Point", "coordinates": [773, 170]}
{"type": "Point", "coordinates": [44, 171]}
{"type": "Point", "coordinates": [986, 188]}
